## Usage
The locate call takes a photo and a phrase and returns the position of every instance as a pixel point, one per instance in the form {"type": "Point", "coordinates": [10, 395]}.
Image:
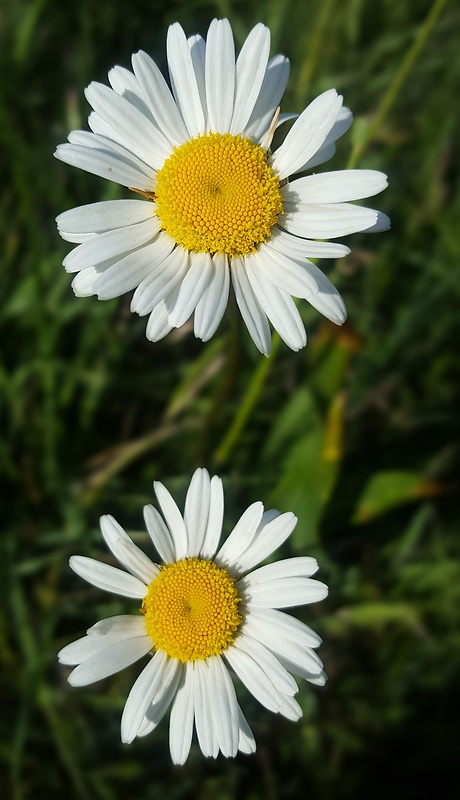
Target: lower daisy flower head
{"type": "Point", "coordinates": [206, 618]}
{"type": "Point", "coordinates": [220, 209]}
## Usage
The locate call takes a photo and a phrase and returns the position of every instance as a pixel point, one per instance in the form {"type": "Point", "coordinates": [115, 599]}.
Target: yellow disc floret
{"type": "Point", "coordinates": [217, 194]}
{"type": "Point", "coordinates": [191, 609]}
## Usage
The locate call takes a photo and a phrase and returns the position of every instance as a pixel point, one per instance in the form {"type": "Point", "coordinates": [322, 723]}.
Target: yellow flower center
{"type": "Point", "coordinates": [217, 194]}
{"type": "Point", "coordinates": [191, 609]}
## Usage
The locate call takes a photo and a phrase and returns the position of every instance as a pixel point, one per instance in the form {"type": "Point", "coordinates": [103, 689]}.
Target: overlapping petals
{"type": "Point", "coordinates": [135, 126]}
{"type": "Point", "coordinates": [268, 649]}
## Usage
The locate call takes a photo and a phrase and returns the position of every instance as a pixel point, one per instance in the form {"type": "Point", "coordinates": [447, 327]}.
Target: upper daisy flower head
{"type": "Point", "coordinates": [205, 618]}
{"type": "Point", "coordinates": [219, 207]}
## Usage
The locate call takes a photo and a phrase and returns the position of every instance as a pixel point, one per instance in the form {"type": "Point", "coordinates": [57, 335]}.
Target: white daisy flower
{"type": "Point", "coordinates": [220, 208]}
{"type": "Point", "coordinates": [205, 618]}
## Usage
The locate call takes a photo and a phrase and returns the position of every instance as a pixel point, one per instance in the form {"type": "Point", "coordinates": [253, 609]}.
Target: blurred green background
{"type": "Point", "coordinates": [358, 433]}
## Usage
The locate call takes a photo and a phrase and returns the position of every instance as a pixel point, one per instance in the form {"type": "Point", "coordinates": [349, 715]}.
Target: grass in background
{"type": "Point", "coordinates": [358, 433]}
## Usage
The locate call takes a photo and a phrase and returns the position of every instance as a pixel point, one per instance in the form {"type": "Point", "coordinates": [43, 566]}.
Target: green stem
{"type": "Point", "coordinates": [398, 81]}
{"type": "Point", "coordinates": [227, 387]}
{"type": "Point", "coordinates": [249, 401]}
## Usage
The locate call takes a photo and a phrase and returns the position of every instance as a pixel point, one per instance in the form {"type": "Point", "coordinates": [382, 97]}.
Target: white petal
{"type": "Point", "coordinates": [213, 302]}
{"type": "Point", "coordinates": [111, 660]}
{"type": "Point", "coordinates": [295, 659]}
{"type": "Point", "coordinates": [163, 278]}
{"type": "Point", "coordinates": [173, 519]}
{"type": "Point", "coordinates": [108, 578]}
{"type": "Point", "coordinates": [99, 126]}
{"type": "Point", "coordinates": [150, 686]}
{"type": "Point", "coordinates": [220, 75]}
{"type": "Point", "coordinates": [326, 221]}
{"type": "Point", "coordinates": [111, 145]}
{"type": "Point", "coordinates": [382, 223]}
{"type": "Point", "coordinates": [299, 249]}
{"type": "Point", "coordinates": [159, 534]}
{"type": "Point", "coordinates": [251, 67]}
{"type": "Point", "coordinates": [148, 725]}
{"type": "Point", "coordinates": [291, 709]}
{"type": "Point", "coordinates": [268, 516]}
{"type": "Point", "coordinates": [246, 741]}
{"type": "Point", "coordinates": [139, 134]}
{"type": "Point", "coordinates": [285, 273]}
{"type": "Point", "coordinates": [124, 275]}
{"type": "Point", "coordinates": [112, 531]}
{"type": "Point", "coordinates": [325, 153]}
{"type": "Point", "coordinates": [104, 158]}
{"type": "Point", "coordinates": [285, 118]}
{"type": "Point", "coordinates": [287, 568]}
{"type": "Point", "coordinates": [183, 80]}
{"type": "Point", "coordinates": [75, 238]}
{"type": "Point", "coordinates": [197, 49]}
{"type": "Point", "coordinates": [136, 561]}
{"type": "Point", "coordinates": [81, 649]}
{"type": "Point", "coordinates": [192, 287]}
{"type": "Point", "coordinates": [327, 299]}
{"type": "Point", "coordinates": [307, 134]}
{"type": "Point", "coordinates": [182, 715]}
{"type": "Point", "coordinates": [159, 99]}
{"type": "Point", "coordinates": [241, 536]}
{"type": "Point", "coordinates": [277, 304]}
{"type": "Point", "coordinates": [161, 704]}
{"type": "Point", "coordinates": [104, 246]}
{"type": "Point", "coordinates": [327, 149]}
{"type": "Point", "coordinates": [316, 680]}
{"type": "Point", "coordinates": [122, 624]}
{"type": "Point", "coordinates": [129, 271]}
{"type": "Point", "coordinates": [335, 187]}
{"type": "Point", "coordinates": [158, 325]}
{"type": "Point", "coordinates": [96, 640]}
{"type": "Point", "coordinates": [123, 82]}
{"type": "Point", "coordinates": [127, 553]}
{"type": "Point", "coordinates": [204, 723]}
{"type": "Point", "coordinates": [302, 279]}
{"type": "Point", "coordinates": [286, 592]}
{"type": "Point", "coordinates": [87, 139]}
{"type": "Point", "coordinates": [300, 663]}
{"type": "Point", "coordinates": [215, 517]}
{"type": "Point", "coordinates": [105, 216]}
{"type": "Point", "coordinates": [271, 92]}
{"type": "Point", "coordinates": [285, 626]}
{"type": "Point", "coordinates": [84, 281]}
{"type": "Point", "coordinates": [250, 308]}
{"type": "Point", "coordinates": [288, 651]}
{"type": "Point", "coordinates": [268, 539]}
{"type": "Point", "coordinates": [224, 706]}
{"type": "Point", "coordinates": [254, 678]}
{"type": "Point", "coordinates": [196, 510]}
{"type": "Point", "coordinates": [275, 672]}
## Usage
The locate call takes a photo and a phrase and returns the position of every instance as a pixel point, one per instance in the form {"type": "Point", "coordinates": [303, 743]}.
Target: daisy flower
{"type": "Point", "coordinates": [205, 618]}
{"type": "Point", "coordinates": [219, 208]}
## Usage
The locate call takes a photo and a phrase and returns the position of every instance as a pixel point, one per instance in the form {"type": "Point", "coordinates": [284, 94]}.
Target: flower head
{"type": "Point", "coordinates": [219, 208]}
{"type": "Point", "coordinates": [204, 619]}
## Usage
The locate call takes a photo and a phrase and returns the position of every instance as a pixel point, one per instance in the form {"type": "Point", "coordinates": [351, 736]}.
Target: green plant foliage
{"type": "Point", "coordinates": [357, 434]}
{"type": "Point", "coordinates": [387, 490]}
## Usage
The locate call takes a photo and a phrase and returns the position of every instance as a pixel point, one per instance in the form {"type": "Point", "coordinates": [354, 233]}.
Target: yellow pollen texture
{"type": "Point", "coordinates": [191, 609]}
{"type": "Point", "coordinates": [217, 194]}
